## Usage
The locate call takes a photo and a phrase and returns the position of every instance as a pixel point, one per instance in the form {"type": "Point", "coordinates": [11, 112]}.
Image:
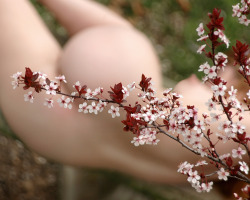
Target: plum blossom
{"type": "Point", "coordinates": [211, 72]}
{"type": "Point", "coordinates": [93, 108]}
{"type": "Point", "coordinates": [200, 30]}
{"type": "Point", "coordinates": [29, 97]}
{"type": "Point", "coordinates": [222, 174]}
{"type": "Point", "coordinates": [236, 10]}
{"type": "Point", "coordinates": [203, 67]}
{"type": "Point", "coordinates": [243, 20]}
{"type": "Point", "coordinates": [61, 78]}
{"type": "Point", "coordinates": [83, 108]}
{"type": "Point", "coordinates": [147, 136]}
{"type": "Point", "coordinates": [244, 167]}
{"type": "Point", "coordinates": [199, 126]}
{"type": "Point", "coordinates": [203, 38]}
{"type": "Point", "coordinates": [193, 176]}
{"type": "Point", "coordinates": [65, 102]}
{"type": "Point", "coordinates": [16, 77]}
{"type": "Point", "coordinates": [222, 36]}
{"type": "Point", "coordinates": [131, 86]}
{"type": "Point", "coordinates": [248, 94]}
{"type": "Point", "coordinates": [219, 89]}
{"type": "Point", "coordinates": [238, 128]}
{"type": "Point", "coordinates": [185, 167]}
{"type": "Point", "coordinates": [51, 88]}
{"type": "Point", "coordinates": [201, 48]}
{"type": "Point", "coordinates": [201, 163]}
{"type": "Point", "coordinates": [238, 153]}
{"type": "Point", "coordinates": [211, 105]}
{"type": "Point", "coordinates": [101, 105]}
{"type": "Point", "coordinates": [89, 94]}
{"type": "Point", "coordinates": [40, 75]}
{"type": "Point", "coordinates": [114, 111]}
{"type": "Point", "coordinates": [49, 103]}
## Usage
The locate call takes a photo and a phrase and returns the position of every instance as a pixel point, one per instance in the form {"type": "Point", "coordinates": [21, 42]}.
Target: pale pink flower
{"type": "Point", "coordinates": [211, 105]}
{"type": "Point", "coordinates": [238, 128]}
{"type": "Point", "coordinates": [201, 163]}
{"type": "Point", "coordinates": [114, 111]}
{"type": "Point", "coordinates": [29, 97]}
{"type": "Point", "coordinates": [201, 48]}
{"type": "Point", "coordinates": [131, 86]}
{"type": "Point", "coordinates": [49, 103]}
{"type": "Point", "coordinates": [89, 94]}
{"type": "Point", "coordinates": [222, 174]}
{"type": "Point", "coordinates": [243, 20]}
{"type": "Point", "coordinates": [199, 126]}
{"type": "Point", "coordinates": [219, 89]}
{"type": "Point", "coordinates": [93, 108]}
{"type": "Point", "coordinates": [65, 102]}
{"type": "Point", "coordinates": [205, 66]}
{"type": "Point", "coordinates": [248, 94]}
{"type": "Point", "coordinates": [238, 153]}
{"type": "Point", "coordinates": [83, 107]}
{"type": "Point", "coordinates": [193, 176]}
{"type": "Point", "coordinates": [101, 105]}
{"type": "Point", "coordinates": [61, 78]}
{"type": "Point", "coordinates": [236, 10]}
{"type": "Point", "coordinates": [203, 38]}
{"type": "Point", "coordinates": [185, 167]}
{"type": "Point", "coordinates": [244, 167]}
{"type": "Point", "coordinates": [51, 88]}
{"type": "Point", "coordinates": [200, 30]}
{"type": "Point", "coordinates": [40, 75]}
{"type": "Point", "coordinates": [211, 72]}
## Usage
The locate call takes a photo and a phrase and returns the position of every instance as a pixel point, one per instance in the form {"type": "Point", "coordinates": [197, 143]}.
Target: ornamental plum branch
{"type": "Point", "coordinates": [152, 115]}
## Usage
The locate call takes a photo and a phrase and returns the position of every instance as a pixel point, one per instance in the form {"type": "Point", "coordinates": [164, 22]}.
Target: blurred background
{"type": "Point", "coordinates": [170, 25]}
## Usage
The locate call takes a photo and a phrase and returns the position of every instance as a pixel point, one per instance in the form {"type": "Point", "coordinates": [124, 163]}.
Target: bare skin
{"type": "Point", "coordinates": [103, 50]}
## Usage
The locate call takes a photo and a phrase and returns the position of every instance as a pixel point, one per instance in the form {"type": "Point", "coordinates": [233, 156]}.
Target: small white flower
{"type": "Point", "coordinates": [201, 163]}
{"type": "Point", "coordinates": [238, 153]}
{"type": "Point", "coordinates": [200, 30]}
{"type": "Point", "coordinates": [243, 20]}
{"type": "Point", "coordinates": [101, 105]}
{"type": "Point", "coordinates": [93, 108]}
{"type": "Point", "coordinates": [248, 94]}
{"type": "Point", "coordinates": [83, 108]}
{"type": "Point", "coordinates": [131, 86]}
{"type": "Point", "coordinates": [211, 105]}
{"type": "Point", "coordinates": [244, 167]}
{"type": "Point", "coordinates": [49, 103]}
{"type": "Point", "coordinates": [219, 89]}
{"type": "Point", "coordinates": [40, 75]}
{"type": "Point", "coordinates": [201, 48]}
{"type": "Point", "coordinates": [65, 102]}
{"type": "Point", "coordinates": [114, 111]}
{"type": "Point", "coordinates": [222, 174]}
{"type": "Point", "coordinates": [29, 97]}
{"type": "Point", "coordinates": [51, 89]}
{"type": "Point", "coordinates": [61, 78]}
{"type": "Point", "coordinates": [193, 177]}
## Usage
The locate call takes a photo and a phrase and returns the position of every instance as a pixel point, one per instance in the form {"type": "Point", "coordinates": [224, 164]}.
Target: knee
{"type": "Point", "coordinates": [104, 56]}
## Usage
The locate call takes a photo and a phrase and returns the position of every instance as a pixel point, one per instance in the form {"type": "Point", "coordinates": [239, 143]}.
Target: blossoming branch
{"type": "Point", "coordinates": [151, 115]}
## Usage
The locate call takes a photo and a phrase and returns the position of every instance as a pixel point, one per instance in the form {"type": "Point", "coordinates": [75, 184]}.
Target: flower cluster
{"type": "Point", "coordinates": [241, 10]}
{"type": "Point", "coordinates": [152, 115]}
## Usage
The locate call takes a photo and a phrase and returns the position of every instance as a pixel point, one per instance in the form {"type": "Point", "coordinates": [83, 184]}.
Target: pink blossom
{"type": "Point", "coordinates": [219, 89]}
{"type": "Point", "coordinates": [244, 167]}
{"type": "Point", "coordinates": [93, 108]}
{"type": "Point", "coordinates": [201, 163]}
{"type": "Point", "coordinates": [193, 176]}
{"type": "Point", "coordinates": [200, 30]}
{"type": "Point", "coordinates": [29, 97]}
{"type": "Point", "coordinates": [199, 126]}
{"type": "Point", "coordinates": [237, 153]}
{"type": "Point", "coordinates": [114, 111]}
{"type": "Point", "coordinates": [65, 102]}
{"type": "Point", "coordinates": [61, 78]}
{"type": "Point", "coordinates": [51, 88]}
{"type": "Point", "coordinates": [243, 20]}
{"type": "Point", "coordinates": [49, 103]}
{"type": "Point", "coordinates": [222, 174]}
{"type": "Point", "coordinates": [201, 48]}
{"type": "Point", "coordinates": [185, 167]}
{"type": "Point", "coordinates": [83, 107]}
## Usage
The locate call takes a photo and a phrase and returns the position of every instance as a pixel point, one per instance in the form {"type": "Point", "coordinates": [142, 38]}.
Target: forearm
{"type": "Point", "coordinates": [76, 15]}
